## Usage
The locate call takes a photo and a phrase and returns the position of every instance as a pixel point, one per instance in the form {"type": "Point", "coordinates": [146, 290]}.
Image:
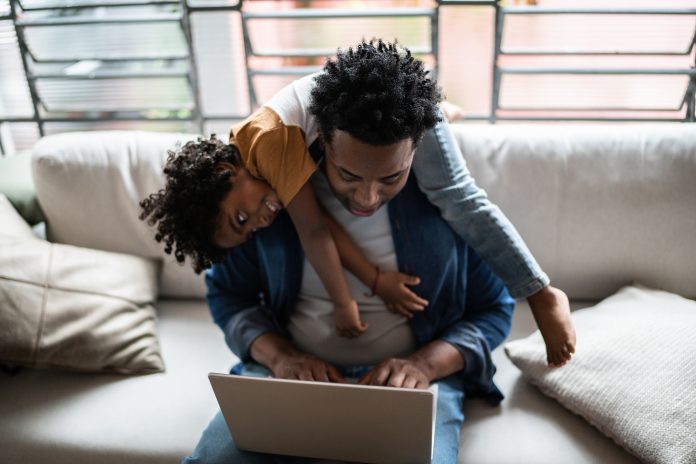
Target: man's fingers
{"type": "Point", "coordinates": [396, 379]}
{"type": "Point", "coordinates": [410, 382]}
{"type": "Point", "coordinates": [334, 376]}
{"type": "Point", "coordinates": [367, 378]}
{"type": "Point", "coordinates": [320, 374]}
{"type": "Point", "coordinates": [380, 377]}
{"type": "Point", "coordinates": [412, 280]}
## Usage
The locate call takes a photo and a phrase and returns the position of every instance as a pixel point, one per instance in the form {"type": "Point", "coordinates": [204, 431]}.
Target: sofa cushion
{"type": "Point", "coordinates": [633, 375]}
{"type": "Point", "coordinates": [74, 308]}
{"type": "Point", "coordinates": [600, 206]}
{"type": "Point", "coordinates": [90, 184]}
{"type": "Point", "coordinates": [63, 417]}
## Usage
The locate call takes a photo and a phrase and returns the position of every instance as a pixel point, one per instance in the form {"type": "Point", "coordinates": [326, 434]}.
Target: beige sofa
{"type": "Point", "coordinates": [600, 206]}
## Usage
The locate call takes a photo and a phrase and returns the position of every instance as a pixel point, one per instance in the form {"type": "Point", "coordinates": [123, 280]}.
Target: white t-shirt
{"type": "Point", "coordinates": [312, 323]}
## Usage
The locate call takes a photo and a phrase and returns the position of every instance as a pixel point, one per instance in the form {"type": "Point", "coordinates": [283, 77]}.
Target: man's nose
{"type": "Point", "coordinates": [367, 195]}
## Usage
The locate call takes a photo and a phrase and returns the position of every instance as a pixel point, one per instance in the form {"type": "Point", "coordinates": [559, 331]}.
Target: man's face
{"type": "Point", "coordinates": [364, 177]}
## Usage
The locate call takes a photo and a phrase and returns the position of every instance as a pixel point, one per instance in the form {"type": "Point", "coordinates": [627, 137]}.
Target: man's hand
{"type": "Point", "coordinates": [430, 362]}
{"type": "Point", "coordinates": [306, 367]}
{"type": "Point", "coordinates": [278, 354]}
{"type": "Point", "coordinates": [397, 372]}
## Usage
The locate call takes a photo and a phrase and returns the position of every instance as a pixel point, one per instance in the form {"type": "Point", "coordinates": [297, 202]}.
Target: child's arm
{"type": "Point", "coordinates": [319, 246]}
{"type": "Point", "coordinates": [391, 287]}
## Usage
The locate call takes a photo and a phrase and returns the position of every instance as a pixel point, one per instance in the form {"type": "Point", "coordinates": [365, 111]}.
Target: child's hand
{"type": "Point", "coordinates": [348, 323]}
{"type": "Point", "coordinates": [392, 289]}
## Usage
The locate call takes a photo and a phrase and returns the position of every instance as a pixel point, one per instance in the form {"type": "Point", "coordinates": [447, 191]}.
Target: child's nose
{"type": "Point", "coordinates": [264, 220]}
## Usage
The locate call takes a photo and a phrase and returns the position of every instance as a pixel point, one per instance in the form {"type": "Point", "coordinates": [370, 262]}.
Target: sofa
{"type": "Point", "coordinates": [600, 206]}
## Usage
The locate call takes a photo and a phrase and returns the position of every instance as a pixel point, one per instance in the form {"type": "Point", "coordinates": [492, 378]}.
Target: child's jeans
{"type": "Point", "coordinates": [442, 174]}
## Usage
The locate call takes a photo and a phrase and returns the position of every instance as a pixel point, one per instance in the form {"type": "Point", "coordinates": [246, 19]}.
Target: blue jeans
{"type": "Point", "coordinates": [443, 176]}
{"type": "Point", "coordinates": [217, 447]}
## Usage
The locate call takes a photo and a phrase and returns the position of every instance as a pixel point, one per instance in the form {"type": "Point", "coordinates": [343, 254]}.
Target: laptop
{"type": "Point", "coordinates": [346, 422]}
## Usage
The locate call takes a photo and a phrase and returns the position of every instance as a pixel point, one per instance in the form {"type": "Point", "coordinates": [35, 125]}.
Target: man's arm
{"type": "Point", "coordinates": [233, 288]}
{"type": "Point", "coordinates": [252, 330]}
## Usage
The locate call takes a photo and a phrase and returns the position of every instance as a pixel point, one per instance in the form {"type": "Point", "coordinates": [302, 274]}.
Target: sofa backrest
{"type": "Point", "coordinates": [600, 206]}
{"type": "Point", "coordinates": [89, 185]}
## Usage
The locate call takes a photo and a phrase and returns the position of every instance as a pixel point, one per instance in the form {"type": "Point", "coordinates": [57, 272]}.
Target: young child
{"type": "Point", "coordinates": [273, 145]}
{"type": "Point", "coordinates": [232, 204]}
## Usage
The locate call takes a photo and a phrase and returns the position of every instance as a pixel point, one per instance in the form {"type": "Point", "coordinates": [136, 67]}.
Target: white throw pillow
{"type": "Point", "coordinates": [90, 184]}
{"type": "Point", "coordinates": [633, 375]}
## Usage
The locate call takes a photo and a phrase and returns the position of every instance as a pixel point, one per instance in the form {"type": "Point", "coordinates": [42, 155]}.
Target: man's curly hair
{"type": "Point", "coordinates": [186, 209]}
{"type": "Point", "coordinates": [378, 93]}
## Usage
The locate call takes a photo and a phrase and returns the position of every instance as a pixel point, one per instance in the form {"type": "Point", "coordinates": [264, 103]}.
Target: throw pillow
{"type": "Point", "coordinates": [74, 308]}
{"type": "Point", "coordinates": [633, 375]}
{"type": "Point", "coordinates": [17, 184]}
{"type": "Point", "coordinates": [118, 168]}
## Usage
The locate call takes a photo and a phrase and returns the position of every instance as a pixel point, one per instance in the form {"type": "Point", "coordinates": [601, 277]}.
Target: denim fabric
{"type": "Point", "coordinates": [442, 174]}
{"type": "Point", "coordinates": [254, 289]}
{"type": "Point", "coordinates": [216, 445]}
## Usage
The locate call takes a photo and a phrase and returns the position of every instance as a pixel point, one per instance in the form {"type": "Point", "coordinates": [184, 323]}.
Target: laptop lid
{"type": "Point", "coordinates": [328, 420]}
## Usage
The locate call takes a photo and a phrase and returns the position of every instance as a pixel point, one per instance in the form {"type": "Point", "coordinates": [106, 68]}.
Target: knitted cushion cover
{"type": "Point", "coordinates": [633, 375]}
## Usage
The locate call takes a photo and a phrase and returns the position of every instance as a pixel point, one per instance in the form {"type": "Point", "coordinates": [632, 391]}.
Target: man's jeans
{"type": "Point", "coordinates": [443, 176]}
{"type": "Point", "coordinates": [216, 445]}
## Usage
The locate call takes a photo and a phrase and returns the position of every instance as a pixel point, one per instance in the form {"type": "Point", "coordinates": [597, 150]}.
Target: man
{"type": "Point", "coordinates": [276, 315]}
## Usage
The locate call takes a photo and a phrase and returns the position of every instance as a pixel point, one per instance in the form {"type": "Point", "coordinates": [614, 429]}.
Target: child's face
{"type": "Point", "coordinates": [249, 205]}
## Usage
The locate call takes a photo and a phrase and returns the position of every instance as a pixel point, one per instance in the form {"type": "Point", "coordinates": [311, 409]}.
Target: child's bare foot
{"type": "Point", "coordinates": [552, 314]}
{"type": "Point", "coordinates": [348, 323]}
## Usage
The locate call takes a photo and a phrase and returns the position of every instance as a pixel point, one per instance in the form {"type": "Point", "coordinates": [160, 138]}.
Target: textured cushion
{"type": "Point", "coordinates": [17, 184]}
{"type": "Point", "coordinates": [89, 186]}
{"type": "Point", "coordinates": [74, 308]}
{"type": "Point", "coordinates": [600, 206]}
{"type": "Point", "coordinates": [633, 375]}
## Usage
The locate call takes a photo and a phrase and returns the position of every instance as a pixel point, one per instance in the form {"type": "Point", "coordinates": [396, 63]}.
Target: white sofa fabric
{"type": "Point", "coordinates": [89, 186]}
{"type": "Point", "coordinates": [600, 207]}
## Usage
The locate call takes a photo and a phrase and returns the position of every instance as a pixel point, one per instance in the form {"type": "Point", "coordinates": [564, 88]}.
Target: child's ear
{"type": "Point", "coordinates": [223, 166]}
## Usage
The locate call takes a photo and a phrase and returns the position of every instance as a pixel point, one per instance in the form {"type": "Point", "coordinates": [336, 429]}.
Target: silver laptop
{"type": "Point", "coordinates": [344, 422]}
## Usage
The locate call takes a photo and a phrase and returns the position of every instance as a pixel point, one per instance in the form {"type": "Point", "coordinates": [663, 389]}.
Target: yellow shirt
{"type": "Point", "coordinates": [274, 152]}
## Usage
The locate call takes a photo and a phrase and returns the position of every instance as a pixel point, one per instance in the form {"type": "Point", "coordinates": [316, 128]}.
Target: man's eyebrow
{"type": "Point", "coordinates": [396, 174]}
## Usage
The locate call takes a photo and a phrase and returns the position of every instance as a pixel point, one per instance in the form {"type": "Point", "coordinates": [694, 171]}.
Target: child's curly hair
{"type": "Point", "coordinates": [377, 92]}
{"type": "Point", "coordinates": [186, 209]}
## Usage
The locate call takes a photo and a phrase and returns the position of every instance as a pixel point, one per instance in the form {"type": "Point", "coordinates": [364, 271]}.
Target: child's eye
{"type": "Point", "coordinates": [241, 219]}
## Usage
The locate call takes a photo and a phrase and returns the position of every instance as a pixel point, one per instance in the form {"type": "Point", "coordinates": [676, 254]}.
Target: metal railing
{"type": "Point", "coordinates": [184, 65]}
{"type": "Point", "coordinates": [498, 70]}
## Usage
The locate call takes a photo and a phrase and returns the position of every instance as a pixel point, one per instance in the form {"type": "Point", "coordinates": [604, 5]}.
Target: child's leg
{"type": "Point", "coordinates": [442, 174]}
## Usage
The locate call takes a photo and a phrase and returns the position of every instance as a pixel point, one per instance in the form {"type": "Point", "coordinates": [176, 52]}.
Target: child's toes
{"type": "Point", "coordinates": [570, 347]}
